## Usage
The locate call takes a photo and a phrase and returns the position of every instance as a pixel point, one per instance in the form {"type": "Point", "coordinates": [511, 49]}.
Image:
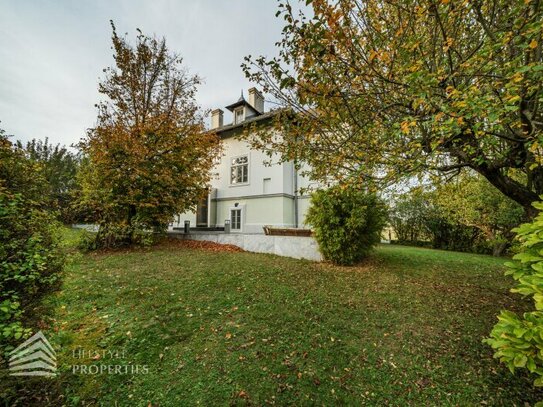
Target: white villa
{"type": "Point", "coordinates": [247, 192]}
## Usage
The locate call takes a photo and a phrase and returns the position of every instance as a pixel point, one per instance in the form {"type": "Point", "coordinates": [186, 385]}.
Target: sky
{"type": "Point", "coordinates": [52, 54]}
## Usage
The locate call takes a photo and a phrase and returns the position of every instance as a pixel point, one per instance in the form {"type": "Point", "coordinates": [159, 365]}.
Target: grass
{"type": "Point", "coordinates": [403, 328]}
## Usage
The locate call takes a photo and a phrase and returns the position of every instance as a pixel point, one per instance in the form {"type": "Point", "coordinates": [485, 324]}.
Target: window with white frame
{"type": "Point", "coordinates": [238, 116]}
{"type": "Point", "coordinates": [239, 170]}
{"type": "Point", "coordinates": [235, 219]}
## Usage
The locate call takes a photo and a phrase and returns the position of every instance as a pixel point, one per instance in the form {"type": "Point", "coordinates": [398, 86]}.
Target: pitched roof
{"type": "Point", "coordinates": [253, 119]}
{"type": "Point", "coordinates": [242, 102]}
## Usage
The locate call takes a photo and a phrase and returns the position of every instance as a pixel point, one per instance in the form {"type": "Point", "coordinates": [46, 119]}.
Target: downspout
{"type": "Point", "coordinates": [295, 173]}
{"type": "Point", "coordinates": [295, 195]}
{"type": "Point", "coordinates": [216, 211]}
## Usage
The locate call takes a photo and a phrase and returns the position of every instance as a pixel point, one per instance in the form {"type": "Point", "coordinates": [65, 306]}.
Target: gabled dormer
{"type": "Point", "coordinates": [243, 110]}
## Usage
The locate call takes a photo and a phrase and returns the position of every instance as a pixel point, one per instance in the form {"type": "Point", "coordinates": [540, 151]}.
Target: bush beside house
{"type": "Point", "coordinates": [347, 223]}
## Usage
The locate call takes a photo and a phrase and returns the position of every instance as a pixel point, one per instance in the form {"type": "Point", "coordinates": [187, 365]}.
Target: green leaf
{"type": "Point", "coordinates": [520, 360]}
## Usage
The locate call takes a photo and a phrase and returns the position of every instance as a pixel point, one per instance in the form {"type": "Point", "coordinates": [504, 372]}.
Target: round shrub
{"type": "Point", "coordinates": [347, 223]}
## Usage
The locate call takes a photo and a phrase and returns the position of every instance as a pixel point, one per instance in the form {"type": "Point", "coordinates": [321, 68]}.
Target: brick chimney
{"type": "Point", "coordinates": [217, 118]}
{"type": "Point", "coordinates": [256, 100]}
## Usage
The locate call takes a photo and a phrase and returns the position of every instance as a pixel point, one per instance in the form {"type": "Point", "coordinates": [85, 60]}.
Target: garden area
{"type": "Point", "coordinates": [412, 123]}
{"type": "Point", "coordinates": [227, 327]}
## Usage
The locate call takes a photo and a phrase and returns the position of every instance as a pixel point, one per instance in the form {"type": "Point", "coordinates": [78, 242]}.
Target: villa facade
{"type": "Point", "coordinates": [245, 191]}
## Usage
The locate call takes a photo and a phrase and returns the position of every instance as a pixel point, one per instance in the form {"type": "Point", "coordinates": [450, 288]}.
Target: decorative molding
{"type": "Point", "coordinates": [280, 195]}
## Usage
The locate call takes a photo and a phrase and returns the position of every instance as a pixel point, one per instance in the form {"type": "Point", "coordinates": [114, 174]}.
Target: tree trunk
{"type": "Point", "coordinates": [512, 189]}
{"type": "Point", "coordinates": [499, 248]}
{"type": "Point", "coordinates": [131, 215]}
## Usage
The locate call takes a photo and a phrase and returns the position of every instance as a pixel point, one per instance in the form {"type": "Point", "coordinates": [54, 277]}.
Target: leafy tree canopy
{"type": "Point", "coordinates": [59, 167]}
{"type": "Point", "coordinates": [409, 214]}
{"type": "Point", "coordinates": [473, 201]}
{"type": "Point", "coordinates": [387, 89]}
{"type": "Point", "coordinates": [148, 155]}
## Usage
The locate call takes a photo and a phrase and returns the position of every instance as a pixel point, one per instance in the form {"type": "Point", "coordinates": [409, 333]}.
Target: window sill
{"type": "Point", "coordinates": [239, 185]}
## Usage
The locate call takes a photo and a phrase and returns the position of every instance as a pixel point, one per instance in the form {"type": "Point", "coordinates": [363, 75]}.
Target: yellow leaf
{"type": "Point", "coordinates": [514, 98]}
{"type": "Point", "coordinates": [450, 90]}
{"type": "Point", "coordinates": [533, 44]}
{"type": "Point", "coordinates": [517, 77]}
{"type": "Point", "coordinates": [405, 127]}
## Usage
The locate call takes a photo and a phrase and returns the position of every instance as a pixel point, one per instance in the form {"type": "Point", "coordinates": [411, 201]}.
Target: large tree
{"type": "Point", "coordinates": [148, 156]}
{"type": "Point", "coordinates": [386, 88]}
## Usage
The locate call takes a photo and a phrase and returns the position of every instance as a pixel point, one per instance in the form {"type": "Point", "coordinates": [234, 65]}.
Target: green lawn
{"type": "Point", "coordinates": [227, 328]}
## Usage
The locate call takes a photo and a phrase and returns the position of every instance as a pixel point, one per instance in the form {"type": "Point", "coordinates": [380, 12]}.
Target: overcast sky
{"type": "Point", "coordinates": [52, 54]}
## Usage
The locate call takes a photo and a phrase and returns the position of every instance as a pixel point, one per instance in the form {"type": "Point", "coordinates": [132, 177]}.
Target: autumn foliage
{"type": "Point", "coordinates": [387, 89]}
{"type": "Point", "coordinates": [148, 156]}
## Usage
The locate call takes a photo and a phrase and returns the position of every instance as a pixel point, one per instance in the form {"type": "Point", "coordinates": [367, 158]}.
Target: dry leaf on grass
{"type": "Point", "coordinates": [202, 245]}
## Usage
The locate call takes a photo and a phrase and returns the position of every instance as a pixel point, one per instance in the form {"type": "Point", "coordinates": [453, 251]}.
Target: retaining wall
{"type": "Point", "coordinates": [298, 247]}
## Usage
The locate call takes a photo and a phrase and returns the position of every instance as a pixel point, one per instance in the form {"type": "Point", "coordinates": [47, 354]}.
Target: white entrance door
{"type": "Point", "coordinates": [235, 219]}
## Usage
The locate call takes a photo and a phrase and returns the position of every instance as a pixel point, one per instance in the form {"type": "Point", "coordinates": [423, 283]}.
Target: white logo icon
{"type": "Point", "coordinates": [34, 357]}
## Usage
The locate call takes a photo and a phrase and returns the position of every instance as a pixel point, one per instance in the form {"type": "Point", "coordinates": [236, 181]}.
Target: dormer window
{"type": "Point", "coordinates": [238, 116]}
{"type": "Point", "coordinates": [243, 110]}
